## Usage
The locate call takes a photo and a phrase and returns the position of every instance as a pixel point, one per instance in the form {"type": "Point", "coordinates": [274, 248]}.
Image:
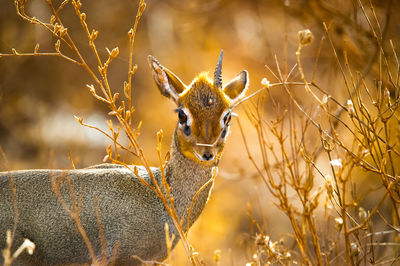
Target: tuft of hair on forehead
{"type": "Point", "coordinates": [203, 95]}
{"type": "Point", "coordinates": [205, 77]}
{"type": "Point", "coordinates": [202, 78]}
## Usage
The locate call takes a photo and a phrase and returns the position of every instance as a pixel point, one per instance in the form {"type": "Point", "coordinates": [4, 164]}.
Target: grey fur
{"type": "Point", "coordinates": [130, 212]}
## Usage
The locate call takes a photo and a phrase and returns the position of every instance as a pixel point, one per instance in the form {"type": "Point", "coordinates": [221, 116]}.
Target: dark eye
{"type": "Point", "coordinates": [182, 117]}
{"type": "Point", "coordinates": [227, 118]}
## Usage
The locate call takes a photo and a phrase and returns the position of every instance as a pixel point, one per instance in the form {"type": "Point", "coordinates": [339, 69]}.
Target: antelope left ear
{"type": "Point", "coordinates": [167, 82]}
{"type": "Point", "coordinates": [236, 88]}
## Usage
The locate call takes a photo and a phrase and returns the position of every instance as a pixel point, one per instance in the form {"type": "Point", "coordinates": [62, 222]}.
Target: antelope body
{"type": "Point", "coordinates": [130, 213]}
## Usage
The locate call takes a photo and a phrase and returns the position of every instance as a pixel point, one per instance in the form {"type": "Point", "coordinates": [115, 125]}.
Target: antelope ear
{"type": "Point", "coordinates": [236, 88]}
{"type": "Point", "coordinates": [167, 82]}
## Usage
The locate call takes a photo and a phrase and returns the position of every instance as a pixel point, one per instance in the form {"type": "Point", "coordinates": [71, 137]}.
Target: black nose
{"type": "Point", "coordinates": [207, 156]}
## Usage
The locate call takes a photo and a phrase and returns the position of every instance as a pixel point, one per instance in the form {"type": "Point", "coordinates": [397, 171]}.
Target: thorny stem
{"type": "Point", "coordinates": [110, 99]}
{"type": "Point", "coordinates": [345, 229]}
{"type": "Point", "coordinates": [368, 129]}
{"type": "Point", "coordinates": [132, 68]}
{"type": "Point", "coordinates": [306, 84]}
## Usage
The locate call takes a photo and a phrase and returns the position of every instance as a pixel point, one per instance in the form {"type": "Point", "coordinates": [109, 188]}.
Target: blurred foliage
{"type": "Point", "coordinates": [40, 95]}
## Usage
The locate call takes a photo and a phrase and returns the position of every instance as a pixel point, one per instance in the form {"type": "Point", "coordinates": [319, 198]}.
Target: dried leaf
{"type": "Point", "coordinates": [127, 115]}
{"type": "Point", "coordinates": [136, 171]}
{"type": "Point", "coordinates": [109, 151]}
{"type": "Point", "coordinates": [79, 119]}
{"type": "Point", "coordinates": [63, 32]}
{"type": "Point", "coordinates": [93, 35]}
{"type": "Point", "coordinates": [114, 53]}
{"type": "Point", "coordinates": [36, 48]}
{"type": "Point", "coordinates": [130, 33]}
{"type": "Point", "coordinates": [52, 19]}
{"type": "Point", "coordinates": [138, 128]}
{"type": "Point", "coordinates": [83, 17]}
{"type": "Point", "coordinates": [57, 45]}
{"type": "Point", "coordinates": [115, 97]}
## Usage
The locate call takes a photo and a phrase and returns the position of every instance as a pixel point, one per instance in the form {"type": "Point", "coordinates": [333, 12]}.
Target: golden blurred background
{"type": "Point", "coordinates": [39, 96]}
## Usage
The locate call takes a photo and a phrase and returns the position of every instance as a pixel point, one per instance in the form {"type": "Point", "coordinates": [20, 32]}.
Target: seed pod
{"type": "Point", "coordinates": [354, 249]}
{"type": "Point", "coordinates": [114, 53]}
{"type": "Point", "coordinates": [265, 82]}
{"type": "Point", "coordinates": [305, 37]}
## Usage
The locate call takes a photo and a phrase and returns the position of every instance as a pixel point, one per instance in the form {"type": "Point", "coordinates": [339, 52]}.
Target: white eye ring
{"type": "Point", "coordinates": [188, 115]}
{"type": "Point", "coordinates": [222, 123]}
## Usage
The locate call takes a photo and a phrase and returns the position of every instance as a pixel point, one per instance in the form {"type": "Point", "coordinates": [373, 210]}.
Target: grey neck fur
{"type": "Point", "coordinates": [186, 177]}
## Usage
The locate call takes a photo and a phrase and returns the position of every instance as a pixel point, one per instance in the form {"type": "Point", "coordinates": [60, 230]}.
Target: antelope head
{"type": "Point", "coordinates": [203, 108]}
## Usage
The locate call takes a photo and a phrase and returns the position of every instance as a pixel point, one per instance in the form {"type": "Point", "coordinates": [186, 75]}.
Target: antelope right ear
{"type": "Point", "coordinates": [167, 82]}
{"type": "Point", "coordinates": [236, 88]}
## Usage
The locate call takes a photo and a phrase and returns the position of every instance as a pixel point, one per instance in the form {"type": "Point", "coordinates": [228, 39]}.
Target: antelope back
{"type": "Point", "coordinates": [203, 107]}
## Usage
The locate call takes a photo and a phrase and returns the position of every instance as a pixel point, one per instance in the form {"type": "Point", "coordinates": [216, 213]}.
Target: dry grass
{"type": "Point", "coordinates": [310, 157]}
{"type": "Point", "coordinates": [121, 109]}
{"type": "Point", "coordinates": [329, 222]}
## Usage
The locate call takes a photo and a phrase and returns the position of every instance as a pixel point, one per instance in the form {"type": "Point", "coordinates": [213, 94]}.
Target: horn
{"type": "Point", "coordinates": [218, 71]}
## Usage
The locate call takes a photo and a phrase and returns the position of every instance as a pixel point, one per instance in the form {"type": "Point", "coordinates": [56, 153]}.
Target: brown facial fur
{"type": "Point", "coordinates": [206, 105]}
{"type": "Point", "coordinates": [198, 134]}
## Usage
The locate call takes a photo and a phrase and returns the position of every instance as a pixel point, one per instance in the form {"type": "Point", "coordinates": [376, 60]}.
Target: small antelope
{"type": "Point", "coordinates": [130, 212]}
